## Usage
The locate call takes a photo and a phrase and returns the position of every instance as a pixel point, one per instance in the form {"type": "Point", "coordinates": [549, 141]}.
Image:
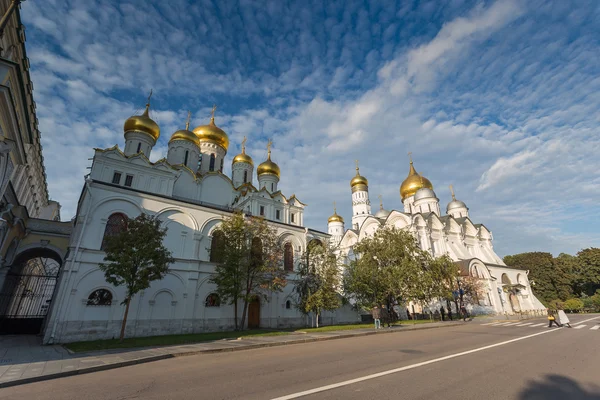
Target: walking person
{"type": "Point", "coordinates": [376, 312]}
{"type": "Point", "coordinates": [552, 318]}
{"type": "Point", "coordinates": [408, 314]}
{"type": "Point", "coordinates": [464, 312]}
{"type": "Point", "coordinates": [442, 312]}
{"type": "Point", "coordinates": [563, 319]}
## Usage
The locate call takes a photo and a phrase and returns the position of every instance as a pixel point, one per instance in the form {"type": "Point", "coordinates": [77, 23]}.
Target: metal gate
{"type": "Point", "coordinates": [25, 297]}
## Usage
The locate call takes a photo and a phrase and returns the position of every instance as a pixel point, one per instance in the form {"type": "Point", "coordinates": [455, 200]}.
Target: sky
{"type": "Point", "coordinates": [501, 99]}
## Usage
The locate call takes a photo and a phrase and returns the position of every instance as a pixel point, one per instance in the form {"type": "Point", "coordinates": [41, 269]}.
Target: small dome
{"type": "Point", "coordinates": [142, 123]}
{"type": "Point", "coordinates": [212, 133]}
{"type": "Point", "coordinates": [359, 182]}
{"type": "Point", "coordinates": [268, 167]}
{"type": "Point", "coordinates": [382, 213]}
{"type": "Point", "coordinates": [243, 157]}
{"type": "Point", "coordinates": [454, 204]}
{"type": "Point", "coordinates": [184, 134]}
{"type": "Point", "coordinates": [413, 182]}
{"type": "Point", "coordinates": [335, 218]}
{"type": "Point", "coordinates": [424, 193]}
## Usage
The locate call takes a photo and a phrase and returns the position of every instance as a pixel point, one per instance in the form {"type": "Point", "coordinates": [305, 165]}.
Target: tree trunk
{"type": "Point", "coordinates": [317, 314]}
{"type": "Point", "coordinates": [244, 311]}
{"type": "Point", "coordinates": [235, 312]}
{"type": "Point", "coordinates": [124, 323]}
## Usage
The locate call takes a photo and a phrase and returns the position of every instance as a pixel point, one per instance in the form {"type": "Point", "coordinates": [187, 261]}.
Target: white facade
{"type": "Point", "coordinates": [468, 244]}
{"type": "Point", "coordinates": [192, 205]}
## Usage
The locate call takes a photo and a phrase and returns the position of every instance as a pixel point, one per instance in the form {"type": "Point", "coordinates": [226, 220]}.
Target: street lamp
{"type": "Point", "coordinates": [460, 291]}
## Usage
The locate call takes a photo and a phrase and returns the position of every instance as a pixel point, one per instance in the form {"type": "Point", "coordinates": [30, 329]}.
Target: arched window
{"type": "Point", "coordinates": [221, 169]}
{"type": "Point", "coordinates": [288, 305]}
{"type": "Point", "coordinates": [288, 257]}
{"type": "Point", "coordinates": [100, 297]}
{"type": "Point", "coordinates": [216, 247]}
{"type": "Point", "coordinates": [116, 224]}
{"type": "Point", "coordinates": [212, 300]}
{"type": "Point", "coordinates": [185, 160]}
{"type": "Point", "coordinates": [245, 176]}
{"type": "Point", "coordinates": [199, 161]}
{"type": "Point", "coordinates": [211, 166]}
{"type": "Point", "coordinates": [139, 148]}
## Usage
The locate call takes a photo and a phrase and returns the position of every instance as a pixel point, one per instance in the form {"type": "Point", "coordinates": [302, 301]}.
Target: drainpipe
{"type": "Point", "coordinates": [7, 15]}
{"type": "Point", "coordinates": [62, 295]}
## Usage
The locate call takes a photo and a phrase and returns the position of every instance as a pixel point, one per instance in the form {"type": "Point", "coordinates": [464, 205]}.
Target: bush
{"type": "Point", "coordinates": [555, 304]}
{"type": "Point", "coordinates": [573, 305]}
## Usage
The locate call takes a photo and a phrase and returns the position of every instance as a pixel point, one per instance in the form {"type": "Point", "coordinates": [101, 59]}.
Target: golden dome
{"type": "Point", "coordinates": [185, 134]}
{"type": "Point", "coordinates": [413, 182]}
{"type": "Point", "coordinates": [268, 167]}
{"type": "Point", "coordinates": [243, 157]}
{"type": "Point", "coordinates": [142, 123]}
{"type": "Point", "coordinates": [212, 133]}
{"type": "Point", "coordinates": [335, 217]}
{"type": "Point", "coordinates": [358, 182]}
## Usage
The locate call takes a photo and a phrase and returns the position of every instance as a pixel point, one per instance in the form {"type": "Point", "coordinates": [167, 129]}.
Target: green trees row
{"type": "Point", "coordinates": [387, 268]}
{"type": "Point", "coordinates": [572, 282]}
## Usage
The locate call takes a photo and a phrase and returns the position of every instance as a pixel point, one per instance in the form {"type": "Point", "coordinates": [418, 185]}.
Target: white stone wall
{"type": "Point", "coordinates": [175, 304]}
{"type": "Point", "coordinates": [177, 150]}
{"type": "Point", "coordinates": [133, 139]}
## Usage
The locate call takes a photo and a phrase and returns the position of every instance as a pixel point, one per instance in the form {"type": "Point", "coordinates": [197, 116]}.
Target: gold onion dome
{"type": "Point", "coordinates": [335, 217]}
{"type": "Point", "coordinates": [268, 167]}
{"type": "Point", "coordinates": [212, 133]}
{"type": "Point", "coordinates": [358, 182]}
{"type": "Point", "coordinates": [142, 123]}
{"type": "Point", "coordinates": [413, 182]}
{"type": "Point", "coordinates": [243, 157]}
{"type": "Point", "coordinates": [185, 134]}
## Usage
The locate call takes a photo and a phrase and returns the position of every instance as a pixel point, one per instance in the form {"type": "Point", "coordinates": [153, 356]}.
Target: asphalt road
{"type": "Point", "coordinates": [465, 362]}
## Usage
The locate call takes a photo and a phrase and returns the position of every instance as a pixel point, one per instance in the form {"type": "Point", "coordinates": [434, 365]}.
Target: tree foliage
{"type": "Point", "coordinates": [135, 257]}
{"type": "Point", "coordinates": [573, 305]}
{"type": "Point", "coordinates": [587, 271]}
{"type": "Point", "coordinates": [390, 266]}
{"type": "Point", "coordinates": [249, 262]}
{"type": "Point", "coordinates": [552, 276]}
{"type": "Point", "coordinates": [318, 283]}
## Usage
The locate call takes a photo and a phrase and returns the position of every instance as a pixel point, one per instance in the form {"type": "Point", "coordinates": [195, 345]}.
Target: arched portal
{"type": "Point", "coordinates": [27, 291]}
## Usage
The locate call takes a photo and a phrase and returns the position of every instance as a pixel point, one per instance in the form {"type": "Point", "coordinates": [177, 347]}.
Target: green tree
{"type": "Point", "coordinates": [390, 266]}
{"type": "Point", "coordinates": [135, 257]}
{"type": "Point", "coordinates": [596, 300]}
{"type": "Point", "coordinates": [318, 281]}
{"type": "Point", "coordinates": [249, 262]}
{"type": "Point", "coordinates": [588, 271]}
{"type": "Point", "coordinates": [573, 305]}
{"type": "Point", "coordinates": [553, 277]}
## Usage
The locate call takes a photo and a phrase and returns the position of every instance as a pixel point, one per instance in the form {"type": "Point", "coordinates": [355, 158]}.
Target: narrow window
{"type": "Point", "coordinates": [292, 217]}
{"type": "Point", "coordinates": [272, 187]}
{"type": "Point", "coordinates": [277, 214]}
{"type": "Point", "coordinates": [128, 180]}
{"type": "Point", "coordinates": [245, 176]}
{"type": "Point", "coordinates": [216, 247]}
{"type": "Point", "coordinates": [199, 161]}
{"type": "Point", "coordinates": [139, 147]}
{"type": "Point", "coordinates": [185, 159]}
{"type": "Point", "coordinates": [116, 224]}
{"type": "Point", "coordinates": [211, 166]}
{"type": "Point", "coordinates": [116, 178]}
{"type": "Point", "coordinates": [288, 305]}
{"type": "Point", "coordinates": [288, 257]}
{"type": "Point", "coordinates": [262, 210]}
{"type": "Point", "coordinates": [221, 169]}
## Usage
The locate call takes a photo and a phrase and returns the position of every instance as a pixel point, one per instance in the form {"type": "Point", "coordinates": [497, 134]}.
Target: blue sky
{"type": "Point", "coordinates": [500, 99]}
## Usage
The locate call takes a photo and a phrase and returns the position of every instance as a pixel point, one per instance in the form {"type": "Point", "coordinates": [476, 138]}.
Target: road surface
{"type": "Point", "coordinates": [472, 361]}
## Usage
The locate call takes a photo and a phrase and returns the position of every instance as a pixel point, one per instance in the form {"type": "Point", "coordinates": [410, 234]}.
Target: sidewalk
{"type": "Point", "coordinates": [23, 359]}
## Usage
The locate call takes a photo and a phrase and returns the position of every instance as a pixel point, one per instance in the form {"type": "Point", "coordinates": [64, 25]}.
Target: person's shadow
{"type": "Point", "coordinates": [558, 387]}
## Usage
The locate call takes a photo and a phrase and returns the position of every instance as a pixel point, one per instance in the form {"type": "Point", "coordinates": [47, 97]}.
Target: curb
{"type": "Point", "coordinates": [212, 351]}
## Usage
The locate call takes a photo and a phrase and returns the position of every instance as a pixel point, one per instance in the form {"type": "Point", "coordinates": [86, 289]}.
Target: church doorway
{"type": "Point", "coordinates": [254, 314]}
{"type": "Point", "coordinates": [514, 302]}
{"type": "Point", "coordinates": [27, 291]}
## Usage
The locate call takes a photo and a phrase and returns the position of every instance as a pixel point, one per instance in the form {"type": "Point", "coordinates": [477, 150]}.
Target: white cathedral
{"type": "Point", "coordinates": [190, 194]}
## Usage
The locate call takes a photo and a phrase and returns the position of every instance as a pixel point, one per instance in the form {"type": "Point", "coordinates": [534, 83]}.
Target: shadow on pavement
{"type": "Point", "coordinates": [555, 387]}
